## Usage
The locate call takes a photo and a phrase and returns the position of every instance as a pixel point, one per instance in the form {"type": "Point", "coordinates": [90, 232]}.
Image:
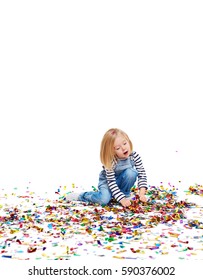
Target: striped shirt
{"type": "Point", "coordinates": [111, 178]}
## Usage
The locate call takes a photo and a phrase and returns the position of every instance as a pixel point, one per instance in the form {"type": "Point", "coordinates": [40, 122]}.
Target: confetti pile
{"type": "Point", "coordinates": [33, 227]}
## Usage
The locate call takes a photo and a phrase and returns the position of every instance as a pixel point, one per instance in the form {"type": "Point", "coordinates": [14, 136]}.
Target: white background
{"type": "Point", "coordinates": [70, 70]}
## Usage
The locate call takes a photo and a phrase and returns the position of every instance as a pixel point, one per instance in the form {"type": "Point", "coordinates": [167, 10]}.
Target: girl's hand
{"type": "Point", "coordinates": [143, 198]}
{"type": "Point", "coordinates": [125, 202]}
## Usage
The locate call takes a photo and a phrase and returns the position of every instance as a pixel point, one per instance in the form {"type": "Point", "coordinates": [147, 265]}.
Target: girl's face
{"type": "Point", "coordinates": [121, 147]}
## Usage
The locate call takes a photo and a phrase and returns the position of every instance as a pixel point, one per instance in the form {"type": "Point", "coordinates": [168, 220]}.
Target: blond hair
{"type": "Point", "coordinates": [107, 152]}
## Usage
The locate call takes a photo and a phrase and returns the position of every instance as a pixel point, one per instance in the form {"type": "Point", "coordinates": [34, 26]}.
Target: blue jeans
{"type": "Point", "coordinates": [125, 181]}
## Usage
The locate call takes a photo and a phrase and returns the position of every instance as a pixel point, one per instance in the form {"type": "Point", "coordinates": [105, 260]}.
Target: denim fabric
{"type": "Point", "coordinates": [126, 176]}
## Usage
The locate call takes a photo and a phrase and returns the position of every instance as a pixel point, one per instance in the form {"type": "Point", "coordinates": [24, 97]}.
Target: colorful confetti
{"type": "Point", "coordinates": [196, 189]}
{"type": "Point", "coordinates": [35, 227]}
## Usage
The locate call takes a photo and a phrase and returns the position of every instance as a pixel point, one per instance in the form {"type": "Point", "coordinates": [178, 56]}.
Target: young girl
{"type": "Point", "coordinates": [121, 167]}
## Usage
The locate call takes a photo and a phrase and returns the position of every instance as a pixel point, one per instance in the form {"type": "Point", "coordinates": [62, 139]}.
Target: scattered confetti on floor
{"type": "Point", "coordinates": [36, 227]}
{"type": "Point", "coordinates": [196, 189]}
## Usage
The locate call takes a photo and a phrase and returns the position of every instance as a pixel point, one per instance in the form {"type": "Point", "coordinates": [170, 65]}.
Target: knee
{"type": "Point", "coordinates": [105, 197]}
{"type": "Point", "coordinates": [131, 174]}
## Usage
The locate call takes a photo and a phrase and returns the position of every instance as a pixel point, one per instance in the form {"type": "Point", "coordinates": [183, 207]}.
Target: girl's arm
{"type": "Point", "coordinates": [111, 181]}
{"type": "Point", "coordinates": [142, 177]}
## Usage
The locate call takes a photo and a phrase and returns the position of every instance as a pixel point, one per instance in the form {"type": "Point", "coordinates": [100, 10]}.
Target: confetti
{"type": "Point", "coordinates": [33, 226]}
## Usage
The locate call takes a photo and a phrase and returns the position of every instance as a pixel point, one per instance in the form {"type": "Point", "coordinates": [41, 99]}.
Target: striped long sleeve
{"type": "Point", "coordinates": [111, 180]}
{"type": "Point", "coordinates": [142, 177]}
